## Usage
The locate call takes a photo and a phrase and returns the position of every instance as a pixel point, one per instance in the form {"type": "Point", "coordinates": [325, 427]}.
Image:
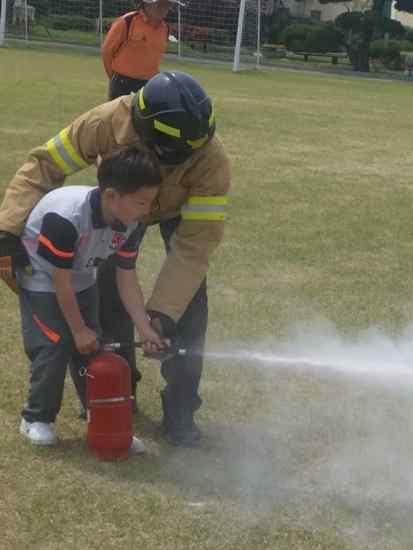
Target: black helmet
{"type": "Point", "coordinates": [174, 116]}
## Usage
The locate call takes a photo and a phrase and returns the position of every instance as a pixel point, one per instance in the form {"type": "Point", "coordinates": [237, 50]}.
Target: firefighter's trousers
{"type": "Point", "coordinates": [181, 373]}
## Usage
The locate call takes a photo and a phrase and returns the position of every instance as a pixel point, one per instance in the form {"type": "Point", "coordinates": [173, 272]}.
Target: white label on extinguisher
{"type": "Point", "coordinates": [88, 416]}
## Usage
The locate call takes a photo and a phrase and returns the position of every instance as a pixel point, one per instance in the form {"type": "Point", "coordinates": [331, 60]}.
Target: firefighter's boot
{"type": "Point", "coordinates": [178, 421]}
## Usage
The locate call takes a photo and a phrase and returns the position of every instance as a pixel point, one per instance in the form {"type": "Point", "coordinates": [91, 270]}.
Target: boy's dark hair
{"type": "Point", "coordinates": [128, 171]}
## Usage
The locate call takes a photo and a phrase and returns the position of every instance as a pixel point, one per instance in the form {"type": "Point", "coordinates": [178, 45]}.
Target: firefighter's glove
{"type": "Point", "coordinates": [166, 328]}
{"type": "Point", "coordinates": [13, 255]}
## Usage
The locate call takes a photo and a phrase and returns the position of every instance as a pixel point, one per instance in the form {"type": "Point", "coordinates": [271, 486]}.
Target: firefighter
{"type": "Point", "coordinates": [134, 45]}
{"type": "Point", "coordinates": [172, 116]}
{"type": "Point", "coordinates": [131, 55]}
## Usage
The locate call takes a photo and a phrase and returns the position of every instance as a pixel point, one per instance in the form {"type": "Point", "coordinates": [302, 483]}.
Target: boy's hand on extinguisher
{"type": "Point", "coordinates": [86, 341]}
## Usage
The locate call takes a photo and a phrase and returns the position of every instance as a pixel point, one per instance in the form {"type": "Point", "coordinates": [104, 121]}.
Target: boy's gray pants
{"type": "Point", "coordinates": [50, 347]}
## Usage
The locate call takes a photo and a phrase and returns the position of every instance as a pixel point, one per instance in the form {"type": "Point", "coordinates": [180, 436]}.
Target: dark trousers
{"type": "Point", "coordinates": [182, 374]}
{"type": "Point", "coordinates": [123, 85]}
{"type": "Point", "coordinates": [115, 322]}
{"type": "Point", "coordinates": [49, 344]}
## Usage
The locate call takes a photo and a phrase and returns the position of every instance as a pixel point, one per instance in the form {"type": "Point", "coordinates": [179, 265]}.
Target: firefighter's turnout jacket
{"type": "Point", "coordinates": [195, 189]}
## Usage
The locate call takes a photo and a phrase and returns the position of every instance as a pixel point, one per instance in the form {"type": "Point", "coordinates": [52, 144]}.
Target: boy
{"type": "Point", "coordinates": [69, 232]}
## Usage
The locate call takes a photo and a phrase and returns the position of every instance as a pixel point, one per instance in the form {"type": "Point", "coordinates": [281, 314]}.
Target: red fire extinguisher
{"type": "Point", "coordinates": [109, 406]}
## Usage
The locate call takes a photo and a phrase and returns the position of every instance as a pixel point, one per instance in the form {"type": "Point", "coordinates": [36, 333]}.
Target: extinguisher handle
{"type": "Point", "coordinates": [162, 355]}
{"type": "Point", "coordinates": [115, 346]}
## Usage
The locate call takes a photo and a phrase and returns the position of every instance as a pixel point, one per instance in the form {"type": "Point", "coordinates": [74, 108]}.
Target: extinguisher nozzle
{"type": "Point", "coordinates": [116, 346]}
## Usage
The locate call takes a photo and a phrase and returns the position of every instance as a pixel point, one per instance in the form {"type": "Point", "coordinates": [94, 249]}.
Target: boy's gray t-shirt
{"type": "Point", "coordinates": [66, 229]}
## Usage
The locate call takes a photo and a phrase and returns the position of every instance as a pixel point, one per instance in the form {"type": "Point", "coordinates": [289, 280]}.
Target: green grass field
{"type": "Point", "coordinates": [320, 230]}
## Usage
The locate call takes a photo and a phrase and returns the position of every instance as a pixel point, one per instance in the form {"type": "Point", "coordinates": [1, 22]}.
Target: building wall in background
{"type": "Point", "coordinates": [313, 8]}
{"type": "Point", "coordinates": [403, 17]}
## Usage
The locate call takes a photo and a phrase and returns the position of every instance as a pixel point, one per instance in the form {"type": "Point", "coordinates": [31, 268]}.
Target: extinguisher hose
{"type": "Point", "coordinates": [161, 355]}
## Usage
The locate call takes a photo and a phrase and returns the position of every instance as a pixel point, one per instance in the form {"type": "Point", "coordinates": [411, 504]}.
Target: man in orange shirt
{"type": "Point", "coordinates": [134, 46]}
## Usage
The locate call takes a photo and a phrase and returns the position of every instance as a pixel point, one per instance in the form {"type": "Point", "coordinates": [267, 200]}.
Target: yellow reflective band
{"type": "Point", "coordinates": [64, 154]}
{"type": "Point", "coordinates": [52, 150]}
{"type": "Point", "coordinates": [165, 129]}
{"type": "Point", "coordinates": [142, 105]}
{"type": "Point", "coordinates": [205, 208]}
{"type": "Point", "coordinates": [73, 154]}
{"type": "Point", "coordinates": [211, 117]}
{"type": "Point", "coordinates": [197, 143]}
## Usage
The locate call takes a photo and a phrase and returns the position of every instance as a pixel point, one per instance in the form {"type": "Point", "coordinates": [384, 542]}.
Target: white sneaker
{"type": "Point", "coordinates": [39, 433]}
{"type": "Point", "coordinates": [137, 446]}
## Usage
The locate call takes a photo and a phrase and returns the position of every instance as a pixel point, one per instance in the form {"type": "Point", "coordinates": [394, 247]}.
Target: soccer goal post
{"type": "Point", "coordinates": [237, 52]}
{"type": "Point", "coordinates": [248, 40]}
{"type": "Point", "coordinates": [3, 14]}
{"type": "Point", "coordinates": [217, 30]}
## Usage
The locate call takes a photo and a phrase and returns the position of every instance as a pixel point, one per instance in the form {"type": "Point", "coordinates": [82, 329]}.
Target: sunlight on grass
{"type": "Point", "coordinates": [320, 226]}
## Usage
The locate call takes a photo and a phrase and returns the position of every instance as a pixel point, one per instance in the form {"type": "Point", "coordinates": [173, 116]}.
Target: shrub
{"type": "Point", "coordinates": [70, 22]}
{"type": "Point", "coordinates": [294, 36]}
{"type": "Point", "coordinates": [409, 34]}
{"type": "Point", "coordinates": [281, 20]}
{"type": "Point", "coordinates": [107, 22]}
{"type": "Point", "coordinates": [221, 36]}
{"type": "Point", "coordinates": [41, 7]}
{"type": "Point", "coordinates": [405, 45]}
{"type": "Point", "coordinates": [326, 38]}
{"type": "Point", "coordinates": [114, 8]}
{"type": "Point", "coordinates": [388, 54]}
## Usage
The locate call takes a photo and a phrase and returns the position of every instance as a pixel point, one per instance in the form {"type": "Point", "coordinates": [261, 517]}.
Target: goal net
{"type": "Point", "coordinates": [209, 29]}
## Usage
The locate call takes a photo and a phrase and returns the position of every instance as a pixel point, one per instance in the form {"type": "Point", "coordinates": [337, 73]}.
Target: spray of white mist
{"type": "Point", "coordinates": [320, 347]}
{"type": "Point", "coordinates": [331, 447]}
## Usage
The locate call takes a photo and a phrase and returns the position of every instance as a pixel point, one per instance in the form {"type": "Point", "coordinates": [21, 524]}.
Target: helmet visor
{"type": "Point", "coordinates": [176, 151]}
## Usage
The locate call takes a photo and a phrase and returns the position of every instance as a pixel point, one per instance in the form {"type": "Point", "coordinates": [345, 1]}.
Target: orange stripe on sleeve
{"type": "Point", "coordinates": [53, 336]}
{"type": "Point", "coordinates": [48, 244]}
